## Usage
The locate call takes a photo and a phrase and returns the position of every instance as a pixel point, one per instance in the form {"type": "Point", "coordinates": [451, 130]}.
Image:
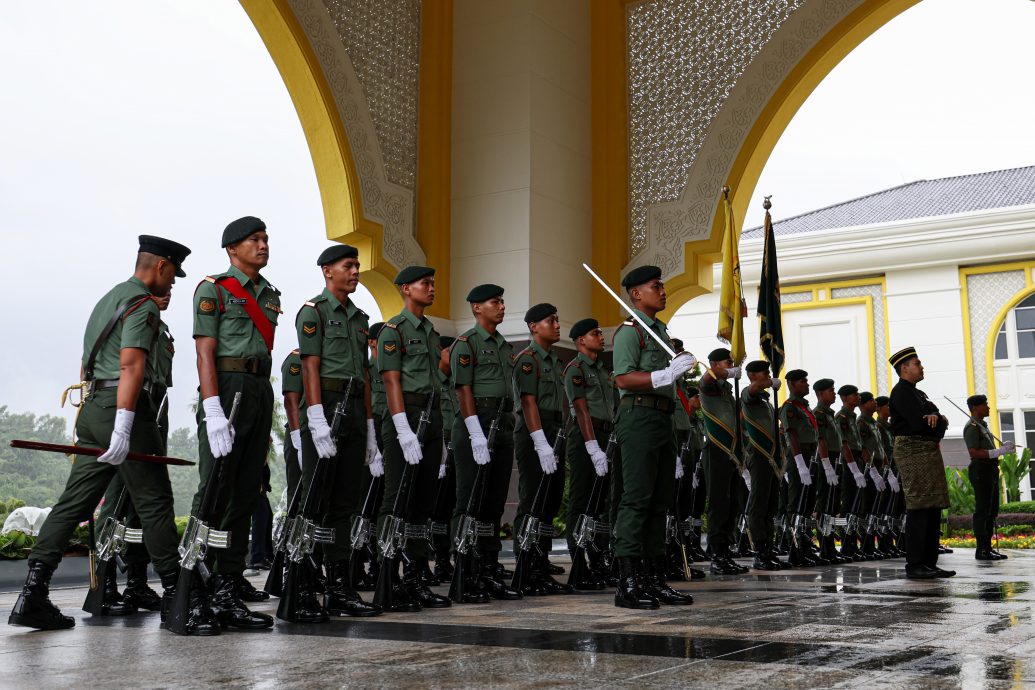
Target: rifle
{"type": "Point", "coordinates": [673, 528]}
{"type": "Point", "coordinates": [589, 526]}
{"type": "Point", "coordinates": [828, 520]}
{"type": "Point", "coordinates": [111, 546]}
{"type": "Point", "coordinates": [800, 521]}
{"type": "Point", "coordinates": [361, 535]}
{"type": "Point", "coordinates": [197, 539]}
{"type": "Point", "coordinates": [469, 529]}
{"type": "Point", "coordinates": [275, 580]}
{"type": "Point", "coordinates": [440, 528]}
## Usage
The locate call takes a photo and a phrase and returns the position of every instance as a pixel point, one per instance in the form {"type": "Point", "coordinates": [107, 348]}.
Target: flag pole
{"type": "Point", "coordinates": [767, 204]}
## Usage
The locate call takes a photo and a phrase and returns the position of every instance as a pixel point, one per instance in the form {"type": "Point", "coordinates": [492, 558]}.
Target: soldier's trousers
{"type": "Point", "coordinates": [445, 501]}
{"type": "Point", "coordinates": [415, 507]}
{"type": "Point", "coordinates": [849, 490]}
{"type": "Point", "coordinates": [241, 470]}
{"type": "Point", "coordinates": [531, 478]}
{"type": "Point", "coordinates": [582, 476]}
{"type": "Point", "coordinates": [723, 479]}
{"type": "Point", "coordinates": [984, 476]}
{"type": "Point", "coordinates": [148, 484]}
{"type": "Point", "coordinates": [923, 528]}
{"type": "Point", "coordinates": [496, 475]}
{"type": "Point", "coordinates": [763, 503]}
{"type": "Point", "coordinates": [135, 553]}
{"type": "Point", "coordinates": [648, 472]}
{"type": "Point", "coordinates": [338, 493]}
{"type": "Point", "coordinates": [827, 502]}
{"type": "Point", "coordinates": [292, 466]}
{"type": "Point", "coordinates": [800, 497]}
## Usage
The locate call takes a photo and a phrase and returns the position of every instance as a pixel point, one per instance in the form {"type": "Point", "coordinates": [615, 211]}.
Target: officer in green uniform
{"type": "Point", "coordinates": [235, 316]}
{"type": "Point", "coordinates": [362, 579]}
{"type": "Point", "coordinates": [802, 431]}
{"type": "Point", "coordinates": [852, 481]}
{"type": "Point", "coordinates": [117, 412]}
{"type": "Point", "coordinates": [408, 356]}
{"type": "Point", "coordinates": [591, 397]}
{"type": "Point", "coordinates": [482, 363]}
{"type": "Point", "coordinates": [332, 343]}
{"type": "Point", "coordinates": [890, 543]}
{"type": "Point", "coordinates": [875, 486]}
{"type": "Point", "coordinates": [762, 457]}
{"type": "Point", "coordinates": [830, 443]}
{"type": "Point", "coordinates": [722, 458]}
{"type": "Point", "coordinates": [445, 489]}
{"type": "Point", "coordinates": [984, 475]}
{"type": "Point", "coordinates": [539, 400]}
{"type": "Point", "coordinates": [291, 389]}
{"type": "Point", "coordinates": [645, 374]}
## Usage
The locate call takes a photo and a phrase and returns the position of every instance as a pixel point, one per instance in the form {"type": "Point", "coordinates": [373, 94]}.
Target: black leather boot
{"type": "Point", "coordinates": [654, 578]}
{"type": "Point", "coordinates": [230, 609]}
{"type": "Point", "coordinates": [629, 594]}
{"type": "Point", "coordinates": [587, 577]}
{"type": "Point", "coordinates": [443, 568]}
{"type": "Point", "coordinates": [418, 589]}
{"type": "Point", "coordinates": [201, 621]}
{"type": "Point", "coordinates": [541, 573]}
{"type": "Point", "coordinates": [114, 604]}
{"type": "Point", "coordinates": [33, 609]}
{"type": "Point", "coordinates": [137, 592]}
{"type": "Point", "coordinates": [426, 575]}
{"type": "Point", "coordinates": [247, 592]}
{"type": "Point", "coordinates": [494, 578]}
{"type": "Point", "coordinates": [601, 569]}
{"type": "Point", "coordinates": [342, 599]}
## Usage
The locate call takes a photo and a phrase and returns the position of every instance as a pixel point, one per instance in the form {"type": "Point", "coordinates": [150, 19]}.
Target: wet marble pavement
{"type": "Point", "coordinates": [862, 625]}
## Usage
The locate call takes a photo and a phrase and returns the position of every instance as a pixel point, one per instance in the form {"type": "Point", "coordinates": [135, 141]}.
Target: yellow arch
{"type": "Point", "coordinates": [997, 322]}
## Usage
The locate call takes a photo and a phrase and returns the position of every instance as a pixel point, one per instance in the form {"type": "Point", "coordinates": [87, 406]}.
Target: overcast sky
{"type": "Point", "coordinates": [169, 118]}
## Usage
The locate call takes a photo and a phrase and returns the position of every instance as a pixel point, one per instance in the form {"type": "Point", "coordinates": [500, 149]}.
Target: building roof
{"type": "Point", "coordinates": [920, 199]}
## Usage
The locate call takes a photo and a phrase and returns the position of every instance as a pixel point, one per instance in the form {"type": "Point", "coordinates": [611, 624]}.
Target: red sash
{"type": "Point", "coordinates": [805, 408]}
{"type": "Point", "coordinates": [251, 307]}
{"type": "Point", "coordinates": [686, 403]}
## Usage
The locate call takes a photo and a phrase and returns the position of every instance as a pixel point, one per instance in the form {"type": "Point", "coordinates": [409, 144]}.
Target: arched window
{"type": "Point", "coordinates": [1015, 373]}
{"type": "Point", "coordinates": [1016, 339]}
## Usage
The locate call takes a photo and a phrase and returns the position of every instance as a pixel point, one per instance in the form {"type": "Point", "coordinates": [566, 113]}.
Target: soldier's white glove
{"type": "Point", "coordinates": [860, 480]}
{"type": "Point", "coordinates": [442, 470]}
{"type": "Point", "coordinates": [218, 428]}
{"type": "Point", "coordinates": [776, 384]}
{"type": "Point", "coordinates": [803, 470]}
{"type": "Point", "coordinates": [828, 470]}
{"type": "Point", "coordinates": [542, 448]}
{"type": "Point", "coordinates": [695, 480]}
{"type": "Point", "coordinates": [893, 483]}
{"type": "Point", "coordinates": [321, 433]}
{"type": "Point", "coordinates": [1006, 449]}
{"type": "Point", "coordinates": [377, 466]}
{"type": "Point", "coordinates": [747, 478]}
{"type": "Point", "coordinates": [733, 373]}
{"type": "Point", "coordinates": [371, 442]}
{"type": "Point", "coordinates": [679, 468]}
{"type": "Point", "coordinates": [118, 446]}
{"type": "Point", "coordinates": [597, 457]}
{"type": "Point", "coordinates": [407, 439]}
{"type": "Point", "coordinates": [296, 440]}
{"type": "Point", "coordinates": [680, 364]}
{"type": "Point", "coordinates": [877, 480]}
{"type": "Point", "coordinates": [479, 444]}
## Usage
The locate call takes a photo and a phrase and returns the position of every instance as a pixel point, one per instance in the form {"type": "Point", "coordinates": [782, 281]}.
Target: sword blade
{"type": "Point", "coordinates": [96, 452]}
{"type": "Point", "coordinates": [664, 346]}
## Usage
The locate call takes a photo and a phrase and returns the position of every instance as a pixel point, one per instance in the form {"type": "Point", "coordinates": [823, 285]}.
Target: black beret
{"type": "Point", "coordinates": [720, 354]}
{"type": "Point", "coordinates": [337, 252]}
{"type": "Point", "coordinates": [581, 328]}
{"type": "Point", "coordinates": [677, 345]}
{"type": "Point", "coordinates": [240, 229]}
{"type": "Point", "coordinates": [167, 249]}
{"type": "Point", "coordinates": [882, 400]}
{"type": "Point", "coordinates": [865, 397]}
{"type": "Point", "coordinates": [692, 392]}
{"type": "Point", "coordinates": [847, 389]}
{"type": "Point", "coordinates": [539, 312]}
{"type": "Point", "coordinates": [796, 375]}
{"type": "Point", "coordinates": [823, 384]}
{"type": "Point", "coordinates": [903, 355]}
{"type": "Point", "coordinates": [375, 330]}
{"type": "Point", "coordinates": [412, 273]}
{"type": "Point", "coordinates": [975, 400]}
{"type": "Point", "coordinates": [757, 366]}
{"type": "Point", "coordinates": [445, 341]}
{"type": "Point", "coordinates": [640, 275]}
{"type": "Point", "coordinates": [483, 293]}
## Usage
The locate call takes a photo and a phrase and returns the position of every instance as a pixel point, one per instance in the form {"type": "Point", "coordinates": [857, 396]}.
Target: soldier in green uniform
{"type": "Point", "coordinates": [332, 343]}
{"type": "Point", "coordinates": [852, 480]}
{"type": "Point", "coordinates": [645, 374]}
{"type": "Point", "coordinates": [984, 475]}
{"type": "Point", "coordinates": [802, 431]}
{"type": "Point", "coordinates": [693, 491]}
{"type": "Point", "coordinates": [722, 458]}
{"type": "Point", "coordinates": [591, 397]}
{"type": "Point", "coordinates": [445, 491]}
{"type": "Point", "coordinates": [408, 356]}
{"type": "Point", "coordinates": [235, 316]}
{"type": "Point", "coordinates": [890, 543]}
{"type": "Point", "coordinates": [362, 579]}
{"type": "Point", "coordinates": [761, 455]}
{"type": "Point", "coordinates": [869, 434]}
{"type": "Point", "coordinates": [689, 442]}
{"type": "Point", "coordinates": [539, 400]}
{"type": "Point", "coordinates": [482, 363]}
{"type": "Point", "coordinates": [830, 443]}
{"type": "Point", "coordinates": [117, 412]}
{"type": "Point", "coordinates": [291, 389]}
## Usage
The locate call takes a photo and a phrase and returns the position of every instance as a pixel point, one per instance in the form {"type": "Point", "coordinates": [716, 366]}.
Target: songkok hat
{"type": "Point", "coordinates": [882, 400]}
{"type": "Point", "coordinates": [337, 252]}
{"type": "Point", "coordinates": [640, 275]}
{"type": "Point", "coordinates": [445, 341]}
{"type": "Point", "coordinates": [240, 229]}
{"type": "Point", "coordinates": [375, 330]}
{"type": "Point", "coordinates": [865, 397]}
{"type": "Point", "coordinates": [975, 400]}
{"type": "Point", "coordinates": [483, 293]}
{"type": "Point", "coordinates": [823, 384]}
{"type": "Point", "coordinates": [757, 366]}
{"type": "Point", "coordinates": [796, 375]}
{"type": "Point", "coordinates": [847, 389]}
{"type": "Point", "coordinates": [581, 328]}
{"type": "Point", "coordinates": [719, 354]}
{"type": "Point", "coordinates": [903, 355]}
{"type": "Point", "coordinates": [540, 312]}
{"type": "Point", "coordinates": [167, 249]}
{"type": "Point", "coordinates": [412, 273]}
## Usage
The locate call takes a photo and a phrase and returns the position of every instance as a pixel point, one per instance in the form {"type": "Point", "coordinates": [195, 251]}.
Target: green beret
{"type": "Point", "coordinates": [581, 328]}
{"type": "Point", "coordinates": [412, 273]}
{"type": "Point", "coordinates": [865, 397]}
{"type": "Point", "coordinates": [847, 389]}
{"type": "Point", "coordinates": [903, 355]}
{"type": "Point", "coordinates": [540, 312]}
{"type": "Point", "coordinates": [375, 330]}
{"type": "Point", "coordinates": [719, 354]}
{"type": "Point", "coordinates": [796, 375]}
{"type": "Point", "coordinates": [759, 365]}
{"type": "Point", "coordinates": [640, 275]}
{"type": "Point", "coordinates": [240, 229]}
{"type": "Point", "coordinates": [446, 341]}
{"type": "Point", "coordinates": [882, 400]}
{"type": "Point", "coordinates": [484, 293]}
{"type": "Point", "coordinates": [975, 400]}
{"type": "Point", "coordinates": [823, 385]}
{"type": "Point", "coordinates": [337, 252]}
{"type": "Point", "coordinates": [692, 392]}
{"type": "Point", "coordinates": [167, 249]}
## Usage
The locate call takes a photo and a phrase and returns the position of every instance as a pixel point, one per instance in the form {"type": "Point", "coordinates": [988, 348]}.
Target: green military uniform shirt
{"type": "Point", "coordinates": [588, 379]}
{"type": "Point", "coordinates": [538, 373]}
{"type": "Point", "coordinates": [336, 333]}
{"type": "Point", "coordinates": [696, 434]}
{"type": "Point", "coordinates": [230, 324]}
{"type": "Point", "coordinates": [828, 428]}
{"type": "Point", "coordinates": [720, 412]}
{"type": "Point", "coordinates": [291, 374]}
{"type": "Point", "coordinates": [410, 345]}
{"type": "Point", "coordinates": [137, 328]}
{"type": "Point", "coordinates": [484, 362]}
{"type": "Point", "coordinates": [636, 351]}
{"type": "Point", "coordinates": [161, 363]}
{"type": "Point", "coordinates": [378, 397]}
{"type": "Point", "coordinates": [448, 402]}
{"type": "Point", "coordinates": [795, 414]}
{"type": "Point", "coordinates": [869, 434]}
{"type": "Point", "coordinates": [849, 429]}
{"type": "Point", "coordinates": [976, 435]}
{"type": "Point", "coordinates": [759, 418]}
{"type": "Point", "coordinates": [887, 440]}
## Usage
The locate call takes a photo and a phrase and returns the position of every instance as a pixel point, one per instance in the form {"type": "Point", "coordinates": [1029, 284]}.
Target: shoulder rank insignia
{"type": "Point", "coordinates": [464, 360]}
{"type": "Point", "coordinates": [578, 381]}
{"type": "Point", "coordinates": [309, 328]}
{"type": "Point", "coordinates": [206, 306]}
{"type": "Point", "coordinates": [294, 369]}
{"type": "Point", "coordinates": [273, 306]}
{"type": "Point", "coordinates": [390, 347]}
{"type": "Point", "coordinates": [526, 368]}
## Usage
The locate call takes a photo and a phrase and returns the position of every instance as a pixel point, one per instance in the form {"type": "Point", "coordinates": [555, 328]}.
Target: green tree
{"type": "Point", "coordinates": [33, 477]}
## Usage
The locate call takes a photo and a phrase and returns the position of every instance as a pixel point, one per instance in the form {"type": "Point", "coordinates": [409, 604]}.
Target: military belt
{"type": "Point", "coordinates": [245, 365]}
{"type": "Point", "coordinates": [603, 424]}
{"type": "Point", "coordinates": [105, 384]}
{"type": "Point", "coordinates": [417, 399]}
{"type": "Point", "coordinates": [655, 402]}
{"type": "Point", "coordinates": [494, 403]}
{"type": "Point", "coordinates": [342, 385]}
{"type": "Point", "coordinates": [554, 416]}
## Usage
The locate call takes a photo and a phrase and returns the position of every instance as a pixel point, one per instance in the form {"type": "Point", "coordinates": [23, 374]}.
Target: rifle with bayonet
{"type": "Point", "coordinates": [111, 546]}
{"type": "Point", "coordinates": [589, 527]}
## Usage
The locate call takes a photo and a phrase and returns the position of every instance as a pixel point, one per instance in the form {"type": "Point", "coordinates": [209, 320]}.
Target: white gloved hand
{"type": "Point", "coordinates": [679, 468]}
{"type": "Point", "coordinates": [860, 480]}
{"type": "Point", "coordinates": [597, 457]}
{"type": "Point", "coordinates": [407, 439]}
{"type": "Point", "coordinates": [803, 470]}
{"type": "Point", "coordinates": [217, 426]}
{"type": "Point", "coordinates": [1006, 449]}
{"type": "Point", "coordinates": [828, 470]}
{"type": "Point", "coordinates": [296, 440]}
{"type": "Point", "coordinates": [733, 373]}
{"type": "Point", "coordinates": [682, 363]}
{"type": "Point", "coordinates": [442, 470]}
{"type": "Point", "coordinates": [695, 479]}
{"type": "Point", "coordinates": [877, 480]}
{"type": "Point", "coordinates": [746, 476]}
{"type": "Point", "coordinates": [377, 465]}
{"type": "Point", "coordinates": [479, 444]}
{"type": "Point", "coordinates": [777, 383]}
{"type": "Point", "coordinates": [893, 483]}
{"type": "Point", "coordinates": [542, 448]}
{"type": "Point", "coordinates": [320, 432]}
{"type": "Point", "coordinates": [371, 442]}
{"type": "Point", "coordinates": [118, 446]}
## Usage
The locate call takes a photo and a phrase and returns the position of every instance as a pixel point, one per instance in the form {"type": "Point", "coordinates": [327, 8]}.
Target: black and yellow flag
{"type": "Point", "coordinates": [770, 320]}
